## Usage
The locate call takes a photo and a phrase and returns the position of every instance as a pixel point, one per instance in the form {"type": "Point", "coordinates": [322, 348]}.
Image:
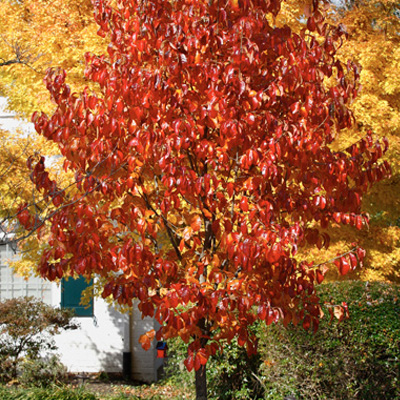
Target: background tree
{"type": "Point", "coordinates": [374, 44]}
{"type": "Point", "coordinates": [16, 187]}
{"type": "Point", "coordinates": [36, 35]}
{"type": "Point", "coordinates": [213, 127]}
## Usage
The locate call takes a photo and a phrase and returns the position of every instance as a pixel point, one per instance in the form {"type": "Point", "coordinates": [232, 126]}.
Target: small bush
{"type": "Point", "coordinates": [176, 373]}
{"type": "Point", "coordinates": [42, 372]}
{"type": "Point", "coordinates": [234, 375]}
{"type": "Point", "coordinates": [231, 375]}
{"type": "Point", "coordinates": [6, 368]}
{"type": "Point", "coordinates": [26, 329]}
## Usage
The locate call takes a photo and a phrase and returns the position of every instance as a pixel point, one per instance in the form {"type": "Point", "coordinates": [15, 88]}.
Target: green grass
{"type": "Point", "coordinates": [57, 393]}
{"type": "Point", "coordinates": [51, 393]}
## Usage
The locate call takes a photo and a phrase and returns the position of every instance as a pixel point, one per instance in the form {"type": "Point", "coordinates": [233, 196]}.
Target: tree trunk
{"type": "Point", "coordinates": [201, 383]}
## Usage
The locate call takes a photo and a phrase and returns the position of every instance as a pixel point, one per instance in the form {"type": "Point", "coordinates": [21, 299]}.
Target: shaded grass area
{"type": "Point", "coordinates": [95, 391]}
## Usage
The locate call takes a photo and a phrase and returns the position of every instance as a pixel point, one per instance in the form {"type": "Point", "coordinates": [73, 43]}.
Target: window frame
{"type": "Point", "coordinates": [69, 299]}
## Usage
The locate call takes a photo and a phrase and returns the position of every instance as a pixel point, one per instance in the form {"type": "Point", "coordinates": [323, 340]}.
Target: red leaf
{"type": "Point", "coordinates": [307, 322]}
{"type": "Point", "coordinates": [320, 276]}
{"type": "Point", "coordinates": [80, 226]}
{"type": "Point", "coordinates": [244, 206]}
{"type": "Point", "coordinates": [361, 254]}
{"type": "Point", "coordinates": [197, 363]}
{"type": "Point", "coordinates": [270, 317]}
{"type": "Point", "coordinates": [202, 355]}
{"type": "Point", "coordinates": [359, 222]}
{"type": "Point", "coordinates": [24, 217]}
{"type": "Point", "coordinates": [344, 267]}
{"type": "Point", "coordinates": [189, 362]}
{"type": "Point", "coordinates": [337, 217]}
{"type": "Point", "coordinates": [262, 311]}
{"type": "Point", "coordinates": [229, 189]}
{"type": "Point", "coordinates": [275, 253]}
{"type": "Point", "coordinates": [353, 260]}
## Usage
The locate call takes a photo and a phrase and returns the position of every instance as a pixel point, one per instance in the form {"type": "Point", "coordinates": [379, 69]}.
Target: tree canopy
{"type": "Point", "coordinates": [36, 35]}
{"type": "Point", "coordinates": [374, 44]}
{"type": "Point", "coordinates": [212, 127]}
{"type": "Point", "coordinates": [213, 143]}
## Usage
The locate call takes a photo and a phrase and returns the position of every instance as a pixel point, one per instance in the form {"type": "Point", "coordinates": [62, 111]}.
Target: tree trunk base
{"type": "Point", "coordinates": [201, 383]}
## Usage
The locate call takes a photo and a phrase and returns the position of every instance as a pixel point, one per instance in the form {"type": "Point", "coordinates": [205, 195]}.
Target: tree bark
{"type": "Point", "coordinates": [201, 383]}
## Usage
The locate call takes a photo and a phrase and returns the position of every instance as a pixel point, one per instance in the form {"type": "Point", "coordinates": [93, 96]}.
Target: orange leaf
{"type": "Point", "coordinates": [207, 213]}
{"type": "Point", "coordinates": [195, 222]}
{"type": "Point", "coordinates": [202, 356]}
{"type": "Point", "coordinates": [187, 233]}
{"type": "Point", "coordinates": [146, 339]}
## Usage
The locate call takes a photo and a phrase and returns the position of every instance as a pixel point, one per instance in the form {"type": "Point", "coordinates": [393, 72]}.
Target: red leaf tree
{"type": "Point", "coordinates": [203, 164]}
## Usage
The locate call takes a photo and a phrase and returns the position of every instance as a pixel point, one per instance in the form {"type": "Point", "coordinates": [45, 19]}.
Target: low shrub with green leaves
{"type": "Point", "coordinates": [231, 375]}
{"type": "Point", "coordinates": [358, 358]}
{"type": "Point", "coordinates": [41, 372]}
{"type": "Point", "coordinates": [27, 327]}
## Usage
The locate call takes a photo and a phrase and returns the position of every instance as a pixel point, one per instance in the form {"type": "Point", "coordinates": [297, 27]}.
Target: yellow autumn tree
{"type": "Point", "coordinates": [374, 43]}
{"type": "Point", "coordinates": [36, 35]}
{"type": "Point", "coordinates": [15, 186]}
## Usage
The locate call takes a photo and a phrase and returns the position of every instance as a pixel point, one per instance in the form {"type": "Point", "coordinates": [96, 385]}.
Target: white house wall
{"type": "Point", "coordinates": [98, 344]}
{"type": "Point", "coordinates": [145, 364]}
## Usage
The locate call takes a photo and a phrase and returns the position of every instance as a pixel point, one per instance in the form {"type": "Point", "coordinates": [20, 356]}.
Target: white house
{"type": "Point", "coordinates": [106, 340]}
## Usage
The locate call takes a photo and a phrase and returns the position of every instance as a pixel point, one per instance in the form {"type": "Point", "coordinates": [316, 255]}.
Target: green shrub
{"type": "Point", "coordinates": [6, 368]}
{"type": "Point", "coordinates": [231, 375]}
{"type": "Point", "coordinates": [61, 393]}
{"type": "Point", "coordinates": [41, 372]}
{"type": "Point", "coordinates": [358, 358]}
{"type": "Point", "coordinates": [234, 375]}
{"type": "Point", "coordinates": [175, 371]}
{"type": "Point", "coordinates": [26, 329]}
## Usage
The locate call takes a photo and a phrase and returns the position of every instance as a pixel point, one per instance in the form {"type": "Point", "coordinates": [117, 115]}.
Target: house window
{"type": "Point", "coordinates": [71, 294]}
{"type": "Point", "coordinates": [12, 285]}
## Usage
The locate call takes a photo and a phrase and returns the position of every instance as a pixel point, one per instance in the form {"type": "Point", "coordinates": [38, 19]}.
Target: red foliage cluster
{"type": "Point", "coordinates": [213, 128]}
